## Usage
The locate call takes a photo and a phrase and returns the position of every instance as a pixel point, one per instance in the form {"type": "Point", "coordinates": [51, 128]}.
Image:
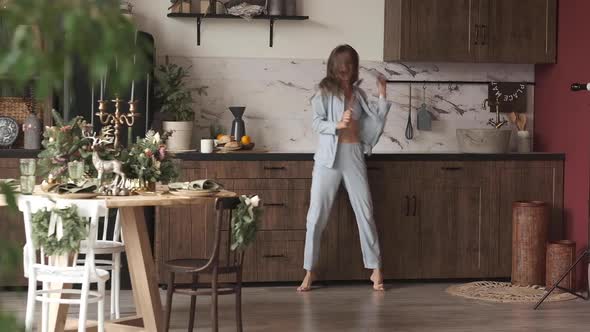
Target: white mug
{"type": "Point", "coordinates": [207, 146]}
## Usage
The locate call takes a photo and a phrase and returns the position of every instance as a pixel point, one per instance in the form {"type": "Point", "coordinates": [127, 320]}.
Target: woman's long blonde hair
{"type": "Point", "coordinates": [331, 83]}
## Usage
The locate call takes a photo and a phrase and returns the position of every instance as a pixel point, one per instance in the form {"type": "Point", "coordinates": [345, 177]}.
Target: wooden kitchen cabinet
{"type": "Point", "coordinates": [399, 228]}
{"type": "Point", "coordinates": [470, 31]}
{"type": "Point", "coordinates": [429, 30]}
{"type": "Point", "coordinates": [520, 31]}
{"type": "Point", "coordinates": [453, 219]}
{"type": "Point", "coordinates": [436, 219]}
{"type": "Point", "coordinates": [538, 181]}
{"type": "Point", "coordinates": [12, 229]}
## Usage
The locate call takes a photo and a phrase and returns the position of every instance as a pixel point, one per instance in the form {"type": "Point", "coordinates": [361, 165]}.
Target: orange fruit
{"type": "Point", "coordinates": [246, 140]}
{"type": "Point", "coordinates": [219, 136]}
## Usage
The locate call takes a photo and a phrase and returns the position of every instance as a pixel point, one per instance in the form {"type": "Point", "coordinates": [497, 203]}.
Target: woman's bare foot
{"type": "Point", "coordinates": [377, 279]}
{"type": "Point", "coordinates": [306, 284]}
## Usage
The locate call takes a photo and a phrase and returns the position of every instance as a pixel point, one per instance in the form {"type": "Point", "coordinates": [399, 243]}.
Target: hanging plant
{"type": "Point", "coordinates": [59, 231]}
{"type": "Point", "coordinates": [244, 223]}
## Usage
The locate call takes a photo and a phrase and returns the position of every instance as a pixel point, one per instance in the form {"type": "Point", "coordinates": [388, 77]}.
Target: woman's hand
{"type": "Point", "coordinates": [382, 85]}
{"type": "Point", "coordinates": [345, 122]}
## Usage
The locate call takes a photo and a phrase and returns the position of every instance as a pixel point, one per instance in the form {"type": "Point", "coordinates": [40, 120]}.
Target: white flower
{"type": "Point", "coordinates": [247, 201]}
{"type": "Point", "coordinates": [255, 201]}
{"type": "Point", "coordinates": [156, 138]}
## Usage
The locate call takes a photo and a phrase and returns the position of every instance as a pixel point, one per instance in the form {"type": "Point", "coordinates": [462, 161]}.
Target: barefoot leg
{"type": "Point", "coordinates": [377, 279]}
{"type": "Point", "coordinates": [306, 284]}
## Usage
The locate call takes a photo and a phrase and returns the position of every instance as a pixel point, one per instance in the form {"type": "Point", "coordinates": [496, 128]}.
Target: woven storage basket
{"type": "Point", "coordinates": [18, 109]}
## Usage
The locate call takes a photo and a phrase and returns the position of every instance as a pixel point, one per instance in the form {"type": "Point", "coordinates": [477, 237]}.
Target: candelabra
{"type": "Point", "coordinates": [117, 119]}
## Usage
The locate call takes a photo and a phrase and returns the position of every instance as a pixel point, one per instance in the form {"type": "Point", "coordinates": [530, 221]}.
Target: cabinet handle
{"type": "Point", "coordinates": [275, 204]}
{"type": "Point", "coordinates": [407, 205]}
{"type": "Point", "coordinates": [274, 256]}
{"type": "Point", "coordinates": [477, 34]}
{"type": "Point", "coordinates": [484, 36]}
{"type": "Point", "coordinates": [275, 168]}
{"type": "Point", "coordinates": [451, 168]}
{"type": "Point", "coordinates": [415, 205]}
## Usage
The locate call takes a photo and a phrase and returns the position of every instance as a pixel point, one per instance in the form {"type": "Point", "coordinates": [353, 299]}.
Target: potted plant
{"type": "Point", "coordinates": [176, 104]}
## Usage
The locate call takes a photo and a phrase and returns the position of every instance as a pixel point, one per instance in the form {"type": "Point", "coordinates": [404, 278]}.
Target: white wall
{"type": "Point", "coordinates": [332, 22]}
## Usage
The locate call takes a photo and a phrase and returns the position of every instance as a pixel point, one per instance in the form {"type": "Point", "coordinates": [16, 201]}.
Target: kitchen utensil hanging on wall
{"type": "Point", "coordinates": [424, 121]}
{"type": "Point", "coordinates": [409, 128]}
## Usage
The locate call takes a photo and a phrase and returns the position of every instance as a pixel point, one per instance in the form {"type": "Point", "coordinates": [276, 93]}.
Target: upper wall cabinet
{"type": "Point", "coordinates": [506, 31]}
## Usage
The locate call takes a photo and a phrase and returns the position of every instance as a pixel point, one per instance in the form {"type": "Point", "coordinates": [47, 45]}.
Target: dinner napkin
{"type": "Point", "coordinates": [205, 184]}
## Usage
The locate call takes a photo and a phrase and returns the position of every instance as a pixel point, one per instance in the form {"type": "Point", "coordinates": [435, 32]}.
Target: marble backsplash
{"type": "Point", "coordinates": [277, 95]}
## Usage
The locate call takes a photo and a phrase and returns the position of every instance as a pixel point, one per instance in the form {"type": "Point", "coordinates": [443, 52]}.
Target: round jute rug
{"type": "Point", "coordinates": [504, 292]}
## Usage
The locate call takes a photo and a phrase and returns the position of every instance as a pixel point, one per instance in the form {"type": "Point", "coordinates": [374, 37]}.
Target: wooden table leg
{"type": "Point", "coordinates": [141, 267]}
{"type": "Point", "coordinates": [58, 312]}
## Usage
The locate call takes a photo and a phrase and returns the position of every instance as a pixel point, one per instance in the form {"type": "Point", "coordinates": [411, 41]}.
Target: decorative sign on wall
{"type": "Point", "coordinates": [509, 96]}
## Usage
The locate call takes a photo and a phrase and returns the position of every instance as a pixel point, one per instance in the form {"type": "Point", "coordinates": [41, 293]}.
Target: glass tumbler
{"type": "Point", "coordinates": [28, 166]}
{"type": "Point", "coordinates": [75, 170]}
{"type": "Point", "coordinates": [27, 184]}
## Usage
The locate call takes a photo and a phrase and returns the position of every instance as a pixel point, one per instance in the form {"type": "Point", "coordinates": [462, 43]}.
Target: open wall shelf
{"type": "Point", "coordinates": [270, 18]}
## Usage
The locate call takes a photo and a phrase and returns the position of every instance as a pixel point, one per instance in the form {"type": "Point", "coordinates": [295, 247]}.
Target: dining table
{"type": "Point", "coordinates": [146, 295]}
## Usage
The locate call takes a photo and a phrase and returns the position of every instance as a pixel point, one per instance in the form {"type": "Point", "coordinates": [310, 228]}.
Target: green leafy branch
{"type": "Point", "coordinates": [244, 223]}
{"type": "Point", "coordinates": [47, 38]}
{"type": "Point", "coordinates": [172, 93]}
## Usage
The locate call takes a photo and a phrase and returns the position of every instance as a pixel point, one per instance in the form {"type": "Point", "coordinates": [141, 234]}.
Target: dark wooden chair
{"type": "Point", "coordinates": [230, 264]}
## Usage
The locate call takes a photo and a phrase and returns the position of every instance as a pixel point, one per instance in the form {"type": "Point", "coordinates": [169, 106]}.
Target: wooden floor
{"type": "Point", "coordinates": [404, 307]}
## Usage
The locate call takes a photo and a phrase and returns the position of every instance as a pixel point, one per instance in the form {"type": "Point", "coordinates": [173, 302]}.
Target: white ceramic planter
{"type": "Point", "coordinates": [182, 132]}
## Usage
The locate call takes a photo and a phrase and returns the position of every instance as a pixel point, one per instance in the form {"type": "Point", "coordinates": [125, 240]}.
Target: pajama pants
{"type": "Point", "coordinates": [350, 167]}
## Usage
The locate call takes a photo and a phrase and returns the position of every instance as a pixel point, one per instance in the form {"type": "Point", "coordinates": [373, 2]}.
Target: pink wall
{"type": "Point", "coordinates": [562, 117]}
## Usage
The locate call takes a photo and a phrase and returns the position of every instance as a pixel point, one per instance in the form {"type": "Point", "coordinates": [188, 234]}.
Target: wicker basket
{"type": "Point", "coordinates": [18, 109]}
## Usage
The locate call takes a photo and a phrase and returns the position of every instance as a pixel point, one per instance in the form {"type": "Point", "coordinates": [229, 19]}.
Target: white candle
{"type": "Point", "coordinates": [134, 60]}
{"type": "Point", "coordinates": [101, 89]}
{"type": "Point", "coordinates": [92, 108]}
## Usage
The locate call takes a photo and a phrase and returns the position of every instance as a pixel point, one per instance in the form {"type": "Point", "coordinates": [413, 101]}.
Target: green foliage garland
{"type": "Point", "coordinates": [74, 231]}
{"type": "Point", "coordinates": [244, 223]}
{"type": "Point", "coordinates": [174, 97]}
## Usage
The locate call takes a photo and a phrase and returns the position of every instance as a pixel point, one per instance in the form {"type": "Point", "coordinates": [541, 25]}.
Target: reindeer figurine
{"type": "Point", "coordinates": [107, 166]}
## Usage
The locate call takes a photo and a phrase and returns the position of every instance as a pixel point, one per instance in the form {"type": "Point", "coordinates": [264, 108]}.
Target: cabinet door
{"type": "Point", "coordinates": [519, 181]}
{"type": "Point", "coordinates": [451, 202]}
{"type": "Point", "coordinates": [12, 229]}
{"type": "Point", "coordinates": [399, 229]}
{"type": "Point", "coordinates": [521, 31]}
{"type": "Point", "coordinates": [434, 30]}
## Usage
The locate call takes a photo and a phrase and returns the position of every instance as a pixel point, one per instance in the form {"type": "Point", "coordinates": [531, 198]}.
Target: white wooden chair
{"type": "Point", "coordinates": [110, 242]}
{"type": "Point", "coordinates": [41, 268]}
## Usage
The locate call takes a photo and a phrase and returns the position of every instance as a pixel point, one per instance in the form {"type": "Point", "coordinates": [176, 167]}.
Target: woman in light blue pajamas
{"type": "Point", "coordinates": [348, 129]}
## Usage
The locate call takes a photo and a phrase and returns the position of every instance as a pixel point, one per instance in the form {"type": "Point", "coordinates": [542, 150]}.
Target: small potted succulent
{"type": "Point", "coordinates": [176, 105]}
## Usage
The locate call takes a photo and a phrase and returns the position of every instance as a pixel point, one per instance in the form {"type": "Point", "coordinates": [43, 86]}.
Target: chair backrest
{"type": "Point", "coordinates": [90, 209]}
{"type": "Point", "coordinates": [111, 231]}
{"type": "Point", "coordinates": [221, 253]}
